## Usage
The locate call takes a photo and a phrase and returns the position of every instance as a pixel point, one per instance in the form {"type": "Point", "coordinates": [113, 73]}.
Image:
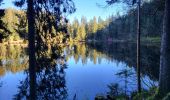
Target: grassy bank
{"type": "Point", "coordinates": [151, 94]}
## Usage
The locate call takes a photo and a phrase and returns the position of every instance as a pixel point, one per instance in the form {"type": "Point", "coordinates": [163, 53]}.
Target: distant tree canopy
{"type": "Point", "coordinates": [121, 27]}
{"type": "Point", "coordinates": [53, 27]}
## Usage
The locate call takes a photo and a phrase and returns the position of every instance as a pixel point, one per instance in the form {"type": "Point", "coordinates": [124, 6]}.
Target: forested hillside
{"type": "Point", "coordinates": [121, 27]}
{"type": "Point", "coordinates": [13, 25]}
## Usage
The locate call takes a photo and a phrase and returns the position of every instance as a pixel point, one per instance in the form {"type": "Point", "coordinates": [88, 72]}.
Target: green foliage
{"type": "Point", "coordinates": [10, 20]}
{"type": "Point", "coordinates": [50, 20]}
{"type": "Point", "coordinates": [84, 30]}
{"type": "Point", "coordinates": [123, 27]}
{"type": "Point", "coordinates": [16, 37]}
{"type": "Point", "coordinates": [13, 37]}
{"type": "Point", "coordinates": [151, 94]}
{"type": "Point", "coordinates": [13, 25]}
{"type": "Point", "coordinates": [146, 94]}
{"type": "Point", "coordinates": [114, 28]}
{"type": "Point", "coordinates": [116, 94]}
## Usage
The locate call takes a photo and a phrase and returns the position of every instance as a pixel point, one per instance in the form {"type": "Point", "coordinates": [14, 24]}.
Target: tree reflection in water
{"type": "Point", "coordinates": [13, 58]}
{"type": "Point", "coordinates": [124, 52]}
{"type": "Point", "coordinates": [126, 75]}
{"type": "Point", "coordinates": [50, 69]}
{"type": "Point", "coordinates": [50, 77]}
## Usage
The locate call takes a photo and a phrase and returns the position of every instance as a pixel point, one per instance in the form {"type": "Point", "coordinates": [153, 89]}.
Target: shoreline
{"type": "Point", "coordinates": [143, 41]}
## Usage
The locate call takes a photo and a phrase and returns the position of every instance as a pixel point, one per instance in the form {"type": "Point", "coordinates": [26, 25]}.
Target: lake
{"type": "Point", "coordinates": [81, 72]}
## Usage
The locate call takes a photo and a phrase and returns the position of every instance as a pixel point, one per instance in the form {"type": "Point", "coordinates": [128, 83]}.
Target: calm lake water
{"type": "Point", "coordinates": [82, 72]}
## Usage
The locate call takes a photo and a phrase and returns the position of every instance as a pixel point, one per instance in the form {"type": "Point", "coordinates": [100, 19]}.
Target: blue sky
{"type": "Point", "coordinates": [87, 8]}
{"type": "Point", "coordinates": [7, 3]}
{"type": "Point", "coordinates": [90, 8]}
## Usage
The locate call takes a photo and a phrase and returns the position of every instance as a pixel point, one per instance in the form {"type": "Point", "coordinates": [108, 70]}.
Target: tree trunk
{"type": "Point", "coordinates": [31, 38]}
{"type": "Point", "coordinates": [164, 76]}
{"type": "Point", "coordinates": [138, 46]}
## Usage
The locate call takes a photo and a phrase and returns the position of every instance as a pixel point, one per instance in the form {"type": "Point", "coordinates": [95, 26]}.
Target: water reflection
{"type": "Point", "coordinates": [82, 71]}
{"type": "Point", "coordinates": [49, 82]}
{"type": "Point", "coordinates": [13, 58]}
{"type": "Point", "coordinates": [126, 52]}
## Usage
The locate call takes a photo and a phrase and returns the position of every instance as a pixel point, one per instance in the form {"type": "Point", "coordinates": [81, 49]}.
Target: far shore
{"type": "Point", "coordinates": [143, 41]}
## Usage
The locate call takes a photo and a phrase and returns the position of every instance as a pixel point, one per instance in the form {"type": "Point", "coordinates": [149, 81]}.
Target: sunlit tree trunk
{"type": "Point", "coordinates": [164, 76]}
{"type": "Point", "coordinates": [31, 38]}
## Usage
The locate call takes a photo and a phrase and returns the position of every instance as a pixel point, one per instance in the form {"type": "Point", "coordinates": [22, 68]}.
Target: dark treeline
{"type": "Point", "coordinates": [122, 27]}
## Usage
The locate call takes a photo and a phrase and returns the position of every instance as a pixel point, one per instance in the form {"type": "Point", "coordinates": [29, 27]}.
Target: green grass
{"type": "Point", "coordinates": [151, 94]}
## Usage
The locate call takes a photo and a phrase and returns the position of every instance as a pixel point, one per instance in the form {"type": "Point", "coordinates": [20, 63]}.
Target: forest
{"type": "Point", "coordinates": [14, 25]}
{"type": "Point", "coordinates": [123, 25]}
{"type": "Point", "coordinates": [44, 55]}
